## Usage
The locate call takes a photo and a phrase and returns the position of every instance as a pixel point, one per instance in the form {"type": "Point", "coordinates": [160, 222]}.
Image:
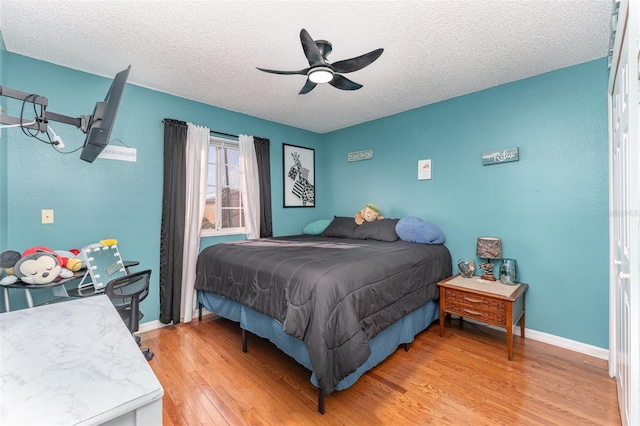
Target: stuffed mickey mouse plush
{"type": "Point", "coordinates": [40, 267]}
{"type": "Point", "coordinates": [37, 265]}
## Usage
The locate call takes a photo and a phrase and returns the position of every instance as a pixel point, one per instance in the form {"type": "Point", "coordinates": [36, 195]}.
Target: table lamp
{"type": "Point", "coordinates": [488, 248]}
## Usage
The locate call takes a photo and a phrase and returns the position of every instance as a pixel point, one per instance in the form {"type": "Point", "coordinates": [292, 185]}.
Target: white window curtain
{"type": "Point", "coordinates": [250, 186]}
{"type": "Point", "coordinates": [197, 152]}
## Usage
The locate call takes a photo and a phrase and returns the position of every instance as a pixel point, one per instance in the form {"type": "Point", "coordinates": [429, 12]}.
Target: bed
{"type": "Point", "coordinates": [338, 303]}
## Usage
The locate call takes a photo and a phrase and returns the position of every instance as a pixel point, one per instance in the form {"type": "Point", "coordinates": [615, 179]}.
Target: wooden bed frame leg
{"type": "Point", "coordinates": [244, 340]}
{"type": "Point", "coordinates": [320, 401]}
{"type": "Point", "coordinates": [199, 311]}
{"type": "Point", "coordinates": [406, 347]}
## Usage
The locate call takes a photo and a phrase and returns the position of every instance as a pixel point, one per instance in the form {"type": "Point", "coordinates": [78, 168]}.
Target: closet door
{"type": "Point", "coordinates": [624, 175]}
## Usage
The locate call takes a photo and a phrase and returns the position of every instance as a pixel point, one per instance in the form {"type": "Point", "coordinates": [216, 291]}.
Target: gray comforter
{"type": "Point", "coordinates": [333, 293]}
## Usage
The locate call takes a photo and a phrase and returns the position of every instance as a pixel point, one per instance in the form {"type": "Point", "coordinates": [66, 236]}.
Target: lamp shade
{"type": "Point", "coordinates": [489, 248]}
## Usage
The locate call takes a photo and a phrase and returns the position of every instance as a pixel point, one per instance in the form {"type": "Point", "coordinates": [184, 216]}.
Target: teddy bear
{"type": "Point", "coordinates": [369, 213]}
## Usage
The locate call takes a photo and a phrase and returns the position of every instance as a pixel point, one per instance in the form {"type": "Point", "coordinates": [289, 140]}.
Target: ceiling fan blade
{"type": "Point", "coordinates": [344, 83]}
{"type": "Point", "coordinates": [301, 72]}
{"type": "Point", "coordinates": [311, 51]}
{"type": "Point", "coordinates": [308, 86]}
{"type": "Point", "coordinates": [355, 64]}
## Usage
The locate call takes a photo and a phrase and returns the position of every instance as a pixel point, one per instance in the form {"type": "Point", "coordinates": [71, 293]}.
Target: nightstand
{"type": "Point", "coordinates": [490, 302]}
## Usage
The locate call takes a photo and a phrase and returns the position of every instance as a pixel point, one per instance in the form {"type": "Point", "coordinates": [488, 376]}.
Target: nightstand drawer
{"type": "Point", "coordinates": [467, 311]}
{"type": "Point", "coordinates": [474, 300]}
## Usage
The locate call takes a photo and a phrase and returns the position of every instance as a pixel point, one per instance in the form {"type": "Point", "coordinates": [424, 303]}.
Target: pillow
{"type": "Point", "coordinates": [317, 227]}
{"type": "Point", "coordinates": [414, 230]}
{"type": "Point", "coordinates": [343, 227]}
{"type": "Point", "coordinates": [381, 230]}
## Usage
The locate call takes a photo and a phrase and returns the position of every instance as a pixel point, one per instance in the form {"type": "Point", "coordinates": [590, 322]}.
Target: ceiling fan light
{"type": "Point", "coordinates": [320, 74]}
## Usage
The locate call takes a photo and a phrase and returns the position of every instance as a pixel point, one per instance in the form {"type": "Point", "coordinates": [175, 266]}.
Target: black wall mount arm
{"type": "Point", "coordinates": [41, 121]}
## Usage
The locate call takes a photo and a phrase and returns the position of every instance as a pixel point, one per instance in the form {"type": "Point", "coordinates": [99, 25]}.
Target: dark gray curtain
{"type": "Point", "coordinates": [264, 172]}
{"type": "Point", "coordinates": [173, 217]}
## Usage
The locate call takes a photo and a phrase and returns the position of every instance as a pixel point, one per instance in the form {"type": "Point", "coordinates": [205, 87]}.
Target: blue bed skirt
{"type": "Point", "coordinates": [383, 345]}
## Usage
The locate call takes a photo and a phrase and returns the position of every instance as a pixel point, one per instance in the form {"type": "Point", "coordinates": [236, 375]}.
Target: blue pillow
{"type": "Point", "coordinates": [414, 230]}
{"type": "Point", "coordinates": [317, 227]}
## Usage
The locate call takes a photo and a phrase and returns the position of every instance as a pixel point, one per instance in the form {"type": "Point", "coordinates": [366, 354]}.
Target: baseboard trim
{"type": "Point", "coordinates": [562, 342]}
{"type": "Point", "coordinates": [554, 340]}
{"type": "Point", "coordinates": [151, 325]}
{"type": "Point", "coordinates": [539, 336]}
{"type": "Point", "coordinates": [154, 325]}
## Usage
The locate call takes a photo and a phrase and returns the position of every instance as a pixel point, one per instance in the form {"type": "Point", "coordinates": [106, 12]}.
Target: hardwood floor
{"type": "Point", "coordinates": [463, 378]}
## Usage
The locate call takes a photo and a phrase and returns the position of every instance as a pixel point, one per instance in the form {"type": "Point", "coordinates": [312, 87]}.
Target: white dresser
{"type": "Point", "coordinates": [74, 363]}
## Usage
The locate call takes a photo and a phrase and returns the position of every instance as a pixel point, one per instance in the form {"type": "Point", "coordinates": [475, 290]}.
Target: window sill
{"type": "Point", "coordinates": [223, 232]}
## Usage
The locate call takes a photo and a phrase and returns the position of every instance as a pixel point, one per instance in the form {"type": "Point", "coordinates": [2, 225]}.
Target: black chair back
{"type": "Point", "coordinates": [126, 293]}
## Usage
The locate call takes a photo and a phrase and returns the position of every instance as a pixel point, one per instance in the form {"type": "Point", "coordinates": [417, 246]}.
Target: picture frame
{"type": "Point", "coordinates": [424, 169]}
{"type": "Point", "coordinates": [298, 165]}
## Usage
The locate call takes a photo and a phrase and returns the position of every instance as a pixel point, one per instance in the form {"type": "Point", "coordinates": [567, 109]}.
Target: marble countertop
{"type": "Point", "coordinates": [71, 363]}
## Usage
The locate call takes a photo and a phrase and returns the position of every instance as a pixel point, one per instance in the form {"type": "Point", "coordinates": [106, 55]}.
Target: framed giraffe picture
{"type": "Point", "coordinates": [299, 176]}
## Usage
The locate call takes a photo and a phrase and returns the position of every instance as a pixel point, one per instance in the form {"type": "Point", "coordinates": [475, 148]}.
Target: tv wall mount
{"type": "Point", "coordinates": [82, 122]}
{"type": "Point", "coordinates": [96, 126]}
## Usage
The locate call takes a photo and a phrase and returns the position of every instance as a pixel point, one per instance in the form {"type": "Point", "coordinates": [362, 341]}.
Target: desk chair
{"type": "Point", "coordinates": [126, 293]}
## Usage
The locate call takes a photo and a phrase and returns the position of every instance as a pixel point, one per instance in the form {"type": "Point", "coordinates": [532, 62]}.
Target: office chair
{"type": "Point", "coordinates": [126, 293]}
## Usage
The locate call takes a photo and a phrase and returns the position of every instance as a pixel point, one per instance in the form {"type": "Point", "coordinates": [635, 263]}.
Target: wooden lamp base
{"type": "Point", "coordinates": [488, 272]}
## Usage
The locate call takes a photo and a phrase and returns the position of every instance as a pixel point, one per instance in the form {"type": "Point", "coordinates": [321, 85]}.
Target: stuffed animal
{"type": "Point", "coordinates": [68, 259]}
{"type": "Point", "coordinates": [71, 259]}
{"type": "Point", "coordinates": [369, 213]}
{"type": "Point", "coordinates": [8, 260]}
{"type": "Point", "coordinates": [38, 265]}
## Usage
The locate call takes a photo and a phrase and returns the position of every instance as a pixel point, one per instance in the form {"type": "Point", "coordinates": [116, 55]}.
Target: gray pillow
{"type": "Point", "coordinates": [343, 227]}
{"type": "Point", "coordinates": [381, 230]}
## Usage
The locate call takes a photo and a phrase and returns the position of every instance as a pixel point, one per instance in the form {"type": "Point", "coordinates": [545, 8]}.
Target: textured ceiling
{"type": "Point", "coordinates": [208, 51]}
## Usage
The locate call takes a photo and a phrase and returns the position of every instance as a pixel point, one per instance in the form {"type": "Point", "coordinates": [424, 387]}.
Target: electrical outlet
{"type": "Point", "coordinates": [47, 216]}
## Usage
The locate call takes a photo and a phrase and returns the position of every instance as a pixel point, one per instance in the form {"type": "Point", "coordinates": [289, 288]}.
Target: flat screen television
{"type": "Point", "coordinates": [101, 121]}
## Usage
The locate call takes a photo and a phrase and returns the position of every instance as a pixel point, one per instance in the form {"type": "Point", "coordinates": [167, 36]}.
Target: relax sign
{"type": "Point", "coordinates": [498, 157]}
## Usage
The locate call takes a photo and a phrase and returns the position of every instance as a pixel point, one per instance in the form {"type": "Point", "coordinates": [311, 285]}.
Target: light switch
{"type": "Point", "coordinates": [47, 216]}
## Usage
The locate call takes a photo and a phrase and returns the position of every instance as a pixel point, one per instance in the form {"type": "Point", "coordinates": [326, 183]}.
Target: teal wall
{"type": "Point", "coordinates": [549, 208]}
{"type": "Point", "coordinates": [114, 199]}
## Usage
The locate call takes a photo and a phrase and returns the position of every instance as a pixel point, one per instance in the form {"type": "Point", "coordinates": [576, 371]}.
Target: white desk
{"type": "Point", "coordinates": [74, 363]}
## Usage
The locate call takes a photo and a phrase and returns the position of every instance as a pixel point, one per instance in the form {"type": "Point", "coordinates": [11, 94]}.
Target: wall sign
{"type": "Point", "coordinates": [121, 153]}
{"type": "Point", "coordinates": [367, 154]}
{"type": "Point", "coordinates": [498, 157]}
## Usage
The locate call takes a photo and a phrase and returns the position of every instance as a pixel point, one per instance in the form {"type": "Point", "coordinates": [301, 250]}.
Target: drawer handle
{"type": "Point", "coordinates": [472, 312]}
{"type": "Point", "coordinates": [473, 300]}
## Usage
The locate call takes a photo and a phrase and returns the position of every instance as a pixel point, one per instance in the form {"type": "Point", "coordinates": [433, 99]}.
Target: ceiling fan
{"type": "Point", "coordinates": [322, 71]}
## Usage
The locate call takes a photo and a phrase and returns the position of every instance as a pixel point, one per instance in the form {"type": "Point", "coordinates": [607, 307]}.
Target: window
{"type": "Point", "coordinates": [223, 211]}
